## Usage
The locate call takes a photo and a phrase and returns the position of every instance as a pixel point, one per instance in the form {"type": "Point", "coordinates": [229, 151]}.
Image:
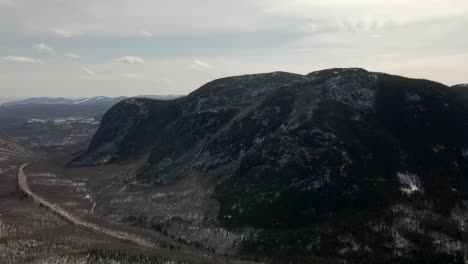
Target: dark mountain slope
{"type": "Point", "coordinates": [347, 155]}
{"type": "Point", "coordinates": [461, 89]}
{"type": "Point", "coordinates": [130, 128]}
{"type": "Point", "coordinates": [142, 120]}
{"type": "Point", "coordinates": [341, 163]}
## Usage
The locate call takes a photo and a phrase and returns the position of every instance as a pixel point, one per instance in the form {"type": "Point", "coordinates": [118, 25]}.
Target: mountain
{"type": "Point", "coordinates": [65, 101]}
{"type": "Point", "coordinates": [45, 107]}
{"type": "Point", "coordinates": [160, 97]}
{"type": "Point", "coordinates": [339, 164]}
{"type": "Point", "coordinates": [40, 100]}
{"type": "Point", "coordinates": [98, 100]}
{"type": "Point", "coordinates": [81, 101]}
{"type": "Point", "coordinates": [5, 100]}
{"type": "Point", "coordinates": [133, 125]}
{"type": "Point", "coordinates": [48, 122]}
{"type": "Point", "coordinates": [461, 89]}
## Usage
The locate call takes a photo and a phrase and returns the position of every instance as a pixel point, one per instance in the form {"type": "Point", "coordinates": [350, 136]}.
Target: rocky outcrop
{"type": "Point", "coordinates": [118, 122]}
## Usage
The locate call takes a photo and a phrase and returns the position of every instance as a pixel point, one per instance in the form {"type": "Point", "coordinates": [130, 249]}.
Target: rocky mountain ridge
{"type": "Point", "coordinates": [340, 163]}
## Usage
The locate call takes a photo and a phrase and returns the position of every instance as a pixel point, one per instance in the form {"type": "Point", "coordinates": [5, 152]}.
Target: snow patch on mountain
{"type": "Point", "coordinates": [409, 183]}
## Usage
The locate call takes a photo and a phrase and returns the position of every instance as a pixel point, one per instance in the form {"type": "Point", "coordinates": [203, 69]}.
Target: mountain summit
{"type": "Point", "coordinates": [335, 163]}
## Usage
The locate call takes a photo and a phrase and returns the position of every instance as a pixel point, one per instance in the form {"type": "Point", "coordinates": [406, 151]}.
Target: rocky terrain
{"type": "Point", "coordinates": [10, 149]}
{"type": "Point", "coordinates": [340, 164]}
{"type": "Point", "coordinates": [32, 232]}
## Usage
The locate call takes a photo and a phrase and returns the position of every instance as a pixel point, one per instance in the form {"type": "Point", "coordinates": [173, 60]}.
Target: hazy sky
{"type": "Point", "coordinates": [130, 47]}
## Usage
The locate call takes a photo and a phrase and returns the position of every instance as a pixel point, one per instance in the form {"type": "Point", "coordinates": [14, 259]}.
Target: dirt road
{"type": "Point", "coordinates": [24, 186]}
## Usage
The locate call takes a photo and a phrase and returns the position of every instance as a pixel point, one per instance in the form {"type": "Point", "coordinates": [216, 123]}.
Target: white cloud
{"type": "Point", "coordinates": [159, 17]}
{"type": "Point", "coordinates": [134, 76]}
{"type": "Point", "coordinates": [146, 34]}
{"type": "Point", "coordinates": [20, 59]}
{"type": "Point", "coordinates": [62, 33]}
{"type": "Point", "coordinates": [367, 13]}
{"type": "Point", "coordinates": [235, 37]}
{"type": "Point", "coordinates": [43, 48]}
{"type": "Point", "coordinates": [131, 60]}
{"type": "Point", "coordinates": [88, 71]}
{"type": "Point", "coordinates": [72, 56]}
{"type": "Point", "coordinates": [199, 64]}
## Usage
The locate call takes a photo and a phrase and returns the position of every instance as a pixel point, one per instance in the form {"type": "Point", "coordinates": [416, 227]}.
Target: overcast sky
{"type": "Point", "coordinates": [130, 47]}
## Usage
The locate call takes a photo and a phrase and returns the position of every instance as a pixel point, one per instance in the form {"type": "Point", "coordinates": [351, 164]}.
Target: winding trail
{"type": "Point", "coordinates": [24, 187]}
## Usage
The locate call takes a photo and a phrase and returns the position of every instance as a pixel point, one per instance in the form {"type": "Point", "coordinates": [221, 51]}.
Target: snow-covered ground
{"type": "Point", "coordinates": [65, 120]}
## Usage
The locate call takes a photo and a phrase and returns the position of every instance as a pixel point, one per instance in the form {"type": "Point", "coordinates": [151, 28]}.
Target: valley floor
{"type": "Point", "coordinates": [31, 233]}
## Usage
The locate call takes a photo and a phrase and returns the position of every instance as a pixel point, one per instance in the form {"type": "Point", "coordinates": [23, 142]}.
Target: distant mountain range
{"type": "Point", "coordinates": [81, 101]}
{"type": "Point", "coordinates": [46, 107]}
{"type": "Point", "coordinates": [342, 164]}
{"type": "Point", "coordinates": [43, 113]}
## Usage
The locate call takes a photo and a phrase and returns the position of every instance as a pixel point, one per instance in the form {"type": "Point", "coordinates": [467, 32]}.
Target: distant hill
{"type": "Point", "coordinates": [81, 101]}
{"type": "Point", "coordinates": [56, 121]}
{"type": "Point", "coordinates": [39, 100]}
{"type": "Point", "coordinates": [45, 107]}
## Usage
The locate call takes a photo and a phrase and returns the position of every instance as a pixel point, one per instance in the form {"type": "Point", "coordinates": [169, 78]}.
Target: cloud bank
{"type": "Point", "coordinates": [206, 39]}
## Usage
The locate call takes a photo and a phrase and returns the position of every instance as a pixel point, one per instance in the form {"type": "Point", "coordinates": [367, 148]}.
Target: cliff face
{"type": "Point", "coordinates": [337, 163]}
{"type": "Point", "coordinates": [132, 127]}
